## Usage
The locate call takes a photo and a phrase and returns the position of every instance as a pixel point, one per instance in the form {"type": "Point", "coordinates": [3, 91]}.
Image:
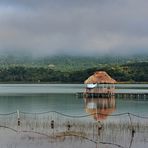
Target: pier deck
{"type": "Point", "coordinates": [116, 94]}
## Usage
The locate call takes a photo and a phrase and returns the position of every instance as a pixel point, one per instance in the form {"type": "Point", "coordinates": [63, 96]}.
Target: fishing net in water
{"type": "Point", "coordinates": [41, 129]}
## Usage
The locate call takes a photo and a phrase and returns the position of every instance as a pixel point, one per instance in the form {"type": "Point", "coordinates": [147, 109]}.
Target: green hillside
{"type": "Point", "coordinates": [64, 69]}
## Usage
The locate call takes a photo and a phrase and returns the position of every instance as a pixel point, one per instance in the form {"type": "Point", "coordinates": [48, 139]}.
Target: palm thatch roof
{"type": "Point", "coordinates": [100, 77]}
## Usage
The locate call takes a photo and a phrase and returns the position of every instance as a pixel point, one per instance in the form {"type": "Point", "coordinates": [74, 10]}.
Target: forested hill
{"type": "Point", "coordinates": [67, 63]}
{"type": "Point", "coordinates": [71, 69]}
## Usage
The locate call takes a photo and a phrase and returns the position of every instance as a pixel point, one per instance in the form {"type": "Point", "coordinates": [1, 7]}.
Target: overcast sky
{"type": "Point", "coordinates": [74, 27]}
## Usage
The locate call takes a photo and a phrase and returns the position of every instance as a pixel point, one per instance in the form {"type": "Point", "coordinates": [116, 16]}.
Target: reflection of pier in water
{"type": "Point", "coordinates": [100, 108]}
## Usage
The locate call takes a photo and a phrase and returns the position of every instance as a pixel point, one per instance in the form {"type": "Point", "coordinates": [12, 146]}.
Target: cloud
{"type": "Point", "coordinates": [82, 27]}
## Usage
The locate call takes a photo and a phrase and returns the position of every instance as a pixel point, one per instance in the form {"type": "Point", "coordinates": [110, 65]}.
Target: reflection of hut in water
{"type": "Point", "coordinates": [100, 84]}
{"type": "Point", "coordinates": [100, 108]}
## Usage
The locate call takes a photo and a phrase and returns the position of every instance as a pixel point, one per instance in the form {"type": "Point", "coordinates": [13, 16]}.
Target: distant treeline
{"type": "Point", "coordinates": [132, 72]}
{"type": "Point", "coordinates": [68, 63]}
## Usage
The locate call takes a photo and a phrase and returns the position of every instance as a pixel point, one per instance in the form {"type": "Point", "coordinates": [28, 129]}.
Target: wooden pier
{"type": "Point", "coordinates": [116, 94]}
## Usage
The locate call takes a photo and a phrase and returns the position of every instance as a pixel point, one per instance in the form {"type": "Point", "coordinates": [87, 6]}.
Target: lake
{"type": "Point", "coordinates": [59, 103]}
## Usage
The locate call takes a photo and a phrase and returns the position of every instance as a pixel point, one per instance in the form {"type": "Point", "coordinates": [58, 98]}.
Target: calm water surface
{"type": "Point", "coordinates": [62, 98]}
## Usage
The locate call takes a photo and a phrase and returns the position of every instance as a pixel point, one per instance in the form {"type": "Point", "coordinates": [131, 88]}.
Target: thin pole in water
{"type": "Point", "coordinates": [18, 118]}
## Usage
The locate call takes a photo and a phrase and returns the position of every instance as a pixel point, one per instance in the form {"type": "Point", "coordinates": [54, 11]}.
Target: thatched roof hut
{"type": "Point", "coordinates": [100, 77]}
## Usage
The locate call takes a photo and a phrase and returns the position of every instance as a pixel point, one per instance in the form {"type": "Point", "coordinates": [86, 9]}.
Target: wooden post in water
{"type": "Point", "coordinates": [18, 118]}
{"type": "Point", "coordinates": [52, 124]}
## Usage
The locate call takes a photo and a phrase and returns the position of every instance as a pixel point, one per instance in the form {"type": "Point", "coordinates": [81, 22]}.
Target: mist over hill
{"type": "Point", "coordinates": [64, 62]}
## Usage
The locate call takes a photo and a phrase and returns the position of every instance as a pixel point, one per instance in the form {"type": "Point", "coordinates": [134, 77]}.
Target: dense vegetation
{"type": "Point", "coordinates": [71, 69]}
